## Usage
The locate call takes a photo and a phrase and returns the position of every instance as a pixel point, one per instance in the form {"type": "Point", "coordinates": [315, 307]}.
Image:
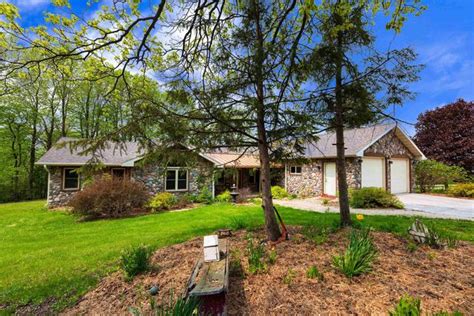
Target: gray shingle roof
{"type": "Point", "coordinates": [112, 155]}
{"type": "Point", "coordinates": [355, 140]}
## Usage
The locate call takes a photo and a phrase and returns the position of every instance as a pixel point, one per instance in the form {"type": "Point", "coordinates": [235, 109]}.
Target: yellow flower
{"type": "Point", "coordinates": [360, 217]}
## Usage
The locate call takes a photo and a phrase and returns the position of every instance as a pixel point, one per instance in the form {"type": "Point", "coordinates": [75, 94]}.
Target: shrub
{"type": "Point", "coordinates": [135, 260]}
{"type": "Point", "coordinates": [359, 255]}
{"type": "Point", "coordinates": [462, 190]}
{"type": "Point", "coordinates": [407, 306]}
{"type": "Point", "coordinates": [109, 198]}
{"type": "Point", "coordinates": [205, 196]}
{"type": "Point", "coordinates": [444, 313]}
{"type": "Point", "coordinates": [224, 197]}
{"type": "Point", "coordinates": [290, 275]}
{"type": "Point", "coordinates": [162, 201]}
{"type": "Point", "coordinates": [313, 273]}
{"type": "Point", "coordinates": [317, 234]}
{"type": "Point", "coordinates": [272, 257]}
{"type": "Point", "coordinates": [278, 192]}
{"type": "Point", "coordinates": [179, 307]}
{"type": "Point", "coordinates": [429, 173]}
{"type": "Point", "coordinates": [237, 223]}
{"type": "Point", "coordinates": [256, 256]}
{"type": "Point", "coordinates": [374, 198]}
{"type": "Point", "coordinates": [412, 247]}
{"type": "Point", "coordinates": [183, 201]}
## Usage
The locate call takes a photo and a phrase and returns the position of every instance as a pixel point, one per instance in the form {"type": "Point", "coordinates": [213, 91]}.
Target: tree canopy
{"type": "Point", "coordinates": [446, 134]}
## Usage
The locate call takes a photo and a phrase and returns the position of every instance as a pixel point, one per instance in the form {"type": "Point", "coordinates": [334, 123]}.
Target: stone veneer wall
{"type": "Point", "coordinates": [390, 146]}
{"type": "Point", "coordinates": [310, 181]}
{"type": "Point", "coordinates": [57, 196]}
{"type": "Point", "coordinates": [353, 173]}
{"type": "Point", "coordinates": [154, 178]}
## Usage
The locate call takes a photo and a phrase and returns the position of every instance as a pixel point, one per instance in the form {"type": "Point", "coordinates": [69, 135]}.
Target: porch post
{"type": "Point", "coordinates": [213, 183]}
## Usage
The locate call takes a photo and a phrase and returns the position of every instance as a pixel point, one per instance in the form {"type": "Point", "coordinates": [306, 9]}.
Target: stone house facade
{"type": "Point", "coordinates": [385, 144]}
{"type": "Point", "coordinates": [381, 156]}
{"type": "Point", "coordinates": [202, 172]}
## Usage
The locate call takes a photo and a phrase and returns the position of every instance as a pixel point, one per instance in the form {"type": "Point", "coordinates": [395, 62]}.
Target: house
{"type": "Point", "coordinates": [215, 171]}
{"type": "Point", "coordinates": [377, 156]}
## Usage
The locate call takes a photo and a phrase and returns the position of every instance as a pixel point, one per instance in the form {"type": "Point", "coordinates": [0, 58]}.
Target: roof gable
{"type": "Point", "coordinates": [357, 140]}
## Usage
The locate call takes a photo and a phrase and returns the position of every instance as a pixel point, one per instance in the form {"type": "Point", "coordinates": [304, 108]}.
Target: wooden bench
{"type": "Point", "coordinates": [209, 281]}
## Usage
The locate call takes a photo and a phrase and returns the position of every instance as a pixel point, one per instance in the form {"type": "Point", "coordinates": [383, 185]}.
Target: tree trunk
{"type": "Point", "coordinates": [271, 224]}
{"type": "Point", "coordinates": [341, 157]}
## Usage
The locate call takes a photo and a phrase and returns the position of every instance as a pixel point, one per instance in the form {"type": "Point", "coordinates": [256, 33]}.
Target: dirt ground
{"type": "Point", "coordinates": [442, 279]}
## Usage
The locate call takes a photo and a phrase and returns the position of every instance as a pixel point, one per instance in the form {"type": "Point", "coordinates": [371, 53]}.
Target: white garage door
{"type": "Point", "coordinates": [373, 172]}
{"type": "Point", "coordinates": [399, 174]}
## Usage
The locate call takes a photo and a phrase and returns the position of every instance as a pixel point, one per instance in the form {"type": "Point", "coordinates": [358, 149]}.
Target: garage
{"type": "Point", "coordinates": [399, 176]}
{"type": "Point", "coordinates": [373, 172]}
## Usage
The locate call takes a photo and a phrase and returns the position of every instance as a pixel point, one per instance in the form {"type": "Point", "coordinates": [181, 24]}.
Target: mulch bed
{"type": "Point", "coordinates": [442, 279]}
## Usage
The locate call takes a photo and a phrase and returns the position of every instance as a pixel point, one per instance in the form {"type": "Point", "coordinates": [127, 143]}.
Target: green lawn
{"type": "Point", "coordinates": [47, 254]}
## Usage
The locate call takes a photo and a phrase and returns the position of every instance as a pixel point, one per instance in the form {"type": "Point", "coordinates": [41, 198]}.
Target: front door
{"type": "Point", "coordinates": [330, 178]}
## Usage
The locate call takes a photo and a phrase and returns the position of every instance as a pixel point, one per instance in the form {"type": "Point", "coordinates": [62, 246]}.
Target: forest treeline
{"type": "Point", "coordinates": [42, 104]}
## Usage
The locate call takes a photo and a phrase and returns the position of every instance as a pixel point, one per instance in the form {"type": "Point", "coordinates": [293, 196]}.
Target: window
{"type": "Point", "coordinates": [70, 179]}
{"type": "Point", "coordinates": [176, 180]}
{"type": "Point", "coordinates": [295, 169]}
{"type": "Point", "coordinates": [118, 173]}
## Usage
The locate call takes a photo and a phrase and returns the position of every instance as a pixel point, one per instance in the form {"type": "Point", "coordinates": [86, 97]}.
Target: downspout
{"type": "Point", "coordinates": [49, 178]}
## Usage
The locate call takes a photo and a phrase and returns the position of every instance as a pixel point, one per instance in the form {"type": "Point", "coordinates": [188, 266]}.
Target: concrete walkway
{"type": "Point", "coordinates": [434, 208]}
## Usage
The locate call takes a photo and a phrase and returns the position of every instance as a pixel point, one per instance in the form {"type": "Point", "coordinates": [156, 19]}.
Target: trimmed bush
{"type": "Point", "coordinates": [162, 201]}
{"type": "Point", "coordinates": [109, 198]}
{"type": "Point", "coordinates": [374, 198]}
{"type": "Point", "coordinates": [279, 193]}
{"type": "Point", "coordinates": [359, 255]}
{"type": "Point", "coordinates": [462, 190]}
{"type": "Point", "coordinates": [135, 260]}
{"type": "Point", "coordinates": [224, 197]}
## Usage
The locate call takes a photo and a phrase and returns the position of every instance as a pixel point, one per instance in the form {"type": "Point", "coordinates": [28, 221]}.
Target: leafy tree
{"type": "Point", "coordinates": [353, 89]}
{"type": "Point", "coordinates": [429, 173]}
{"type": "Point", "coordinates": [446, 134]}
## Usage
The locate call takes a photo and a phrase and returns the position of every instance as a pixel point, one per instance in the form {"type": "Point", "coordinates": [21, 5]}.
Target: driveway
{"type": "Point", "coordinates": [446, 206]}
{"type": "Point", "coordinates": [415, 205]}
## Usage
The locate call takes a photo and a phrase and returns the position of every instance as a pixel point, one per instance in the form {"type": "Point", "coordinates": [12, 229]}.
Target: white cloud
{"type": "Point", "coordinates": [449, 66]}
{"type": "Point", "coordinates": [30, 4]}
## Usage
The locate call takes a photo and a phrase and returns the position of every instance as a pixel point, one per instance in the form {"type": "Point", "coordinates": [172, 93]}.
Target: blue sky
{"type": "Point", "coordinates": [443, 37]}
